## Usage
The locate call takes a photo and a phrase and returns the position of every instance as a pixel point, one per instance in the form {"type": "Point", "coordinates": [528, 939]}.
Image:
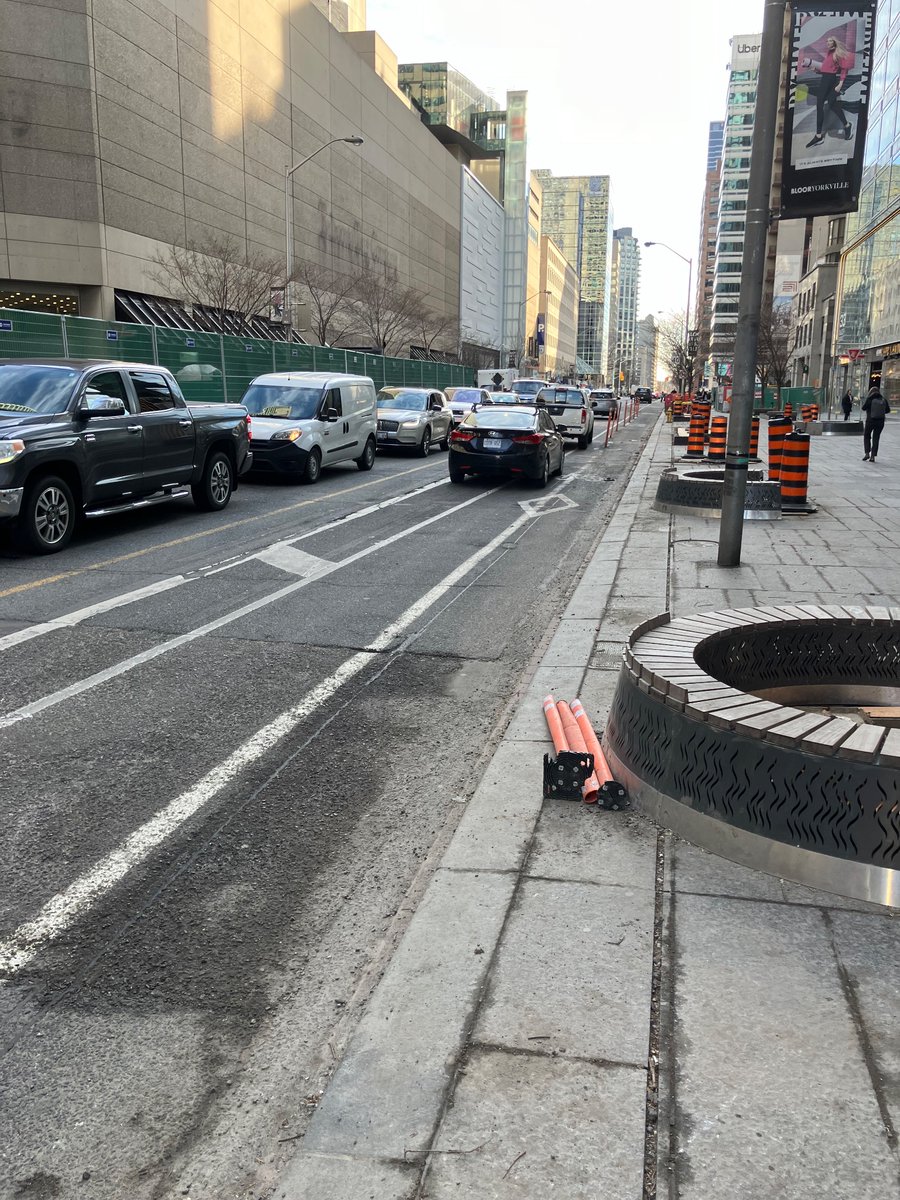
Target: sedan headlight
{"type": "Point", "coordinates": [409, 424]}
{"type": "Point", "coordinates": [10, 448]}
{"type": "Point", "coordinates": [287, 435]}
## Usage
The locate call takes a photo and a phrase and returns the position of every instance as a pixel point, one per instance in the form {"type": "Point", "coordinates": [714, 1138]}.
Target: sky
{"type": "Point", "coordinates": [624, 88]}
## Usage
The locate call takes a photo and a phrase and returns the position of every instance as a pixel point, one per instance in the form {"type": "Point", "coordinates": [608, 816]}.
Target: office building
{"type": "Point", "coordinates": [559, 295]}
{"type": "Point", "coordinates": [578, 217]}
{"type": "Point", "coordinates": [625, 278]}
{"type": "Point", "coordinates": [345, 15]}
{"type": "Point", "coordinates": [647, 353]}
{"type": "Point", "coordinates": [140, 128]}
{"type": "Point", "coordinates": [812, 316]}
{"type": "Point", "coordinates": [534, 300]}
{"type": "Point", "coordinates": [867, 344]}
{"type": "Point", "coordinates": [491, 141]}
{"type": "Point", "coordinates": [715, 144]}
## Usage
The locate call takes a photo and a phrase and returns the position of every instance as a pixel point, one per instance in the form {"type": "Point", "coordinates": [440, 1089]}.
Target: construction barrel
{"type": "Point", "coordinates": [718, 438]}
{"type": "Point", "coordinates": [779, 428]}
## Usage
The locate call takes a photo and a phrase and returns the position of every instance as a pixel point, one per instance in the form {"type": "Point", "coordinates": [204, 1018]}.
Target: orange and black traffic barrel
{"type": "Point", "coordinates": [795, 474]}
{"type": "Point", "coordinates": [697, 432]}
{"type": "Point", "coordinates": [718, 438]}
{"type": "Point", "coordinates": [754, 439]}
{"type": "Point", "coordinates": [789, 411]}
{"type": "Point", "coordinates": [779, 428]}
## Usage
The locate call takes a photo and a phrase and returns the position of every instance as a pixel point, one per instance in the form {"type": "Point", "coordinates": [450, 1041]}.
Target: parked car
{"type": "Point", "coordinates": [84, 439]}
{"type": "Point", "coordinates": [413, 417]}
{"type": "Point", "coordinates": [570, 411]}
{"type": "Point", "coordinates": [302, 421]}
{"type": "Point", "coordinates": [643, 394]}
{"type": "Point", "coordinates": [604, 403]}
{"type": "Point", "coordinates": [515, 440]}
{"type": "Point", "coordinates": [462, 399]}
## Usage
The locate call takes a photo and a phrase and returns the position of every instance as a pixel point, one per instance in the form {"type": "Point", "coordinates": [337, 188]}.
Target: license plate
{"type": "Point", "coordinates": [493, 443]}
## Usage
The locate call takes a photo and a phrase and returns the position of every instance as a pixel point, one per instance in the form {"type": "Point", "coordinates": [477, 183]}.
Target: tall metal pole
{"type": "Point", "coordinates": [731, 524]}
{"type": "Point", "coordinates": [288, 252]}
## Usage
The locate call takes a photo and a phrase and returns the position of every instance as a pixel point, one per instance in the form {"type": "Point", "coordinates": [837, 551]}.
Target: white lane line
{"type": "Point", "coordinates": [290, 559]}
{"type": "Point", "coordinates": [137, 660]}
{"type": "Point", "coordinates": [63, 909]}
{"type": "Point", "coordinates": [164, 585]}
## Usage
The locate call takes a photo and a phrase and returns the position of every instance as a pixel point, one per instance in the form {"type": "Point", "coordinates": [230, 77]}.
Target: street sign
{"type": "Point", "coordinates": [112, 335]}
{"type": "Point", "coordinates": [6, 326]}
{"type": "Point", "coordinates": [189, 342]}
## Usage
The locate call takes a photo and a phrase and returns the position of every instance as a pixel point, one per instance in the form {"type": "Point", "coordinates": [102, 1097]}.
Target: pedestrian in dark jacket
{"type": "Point", "coordinates": [847, 404]}
{"type": "Point", "coordinates": [876, 409]}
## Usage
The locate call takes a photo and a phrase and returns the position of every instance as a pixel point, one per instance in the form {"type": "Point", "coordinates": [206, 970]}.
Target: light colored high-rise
{"type": "Point", "coordinates": [706, 255]}
{"type": "Point", "coordinates": [534, 301]}
{"type": "Point", "coordinates": [624, 289]}
{"type": "Point", "coordinates": [647, 352]}
{"type": "Point", "coordinates": [578, 217]}
{"type": "Point", "coordinates": [346, 15]}
{"type": "Point", "coordinates": [559, 287]}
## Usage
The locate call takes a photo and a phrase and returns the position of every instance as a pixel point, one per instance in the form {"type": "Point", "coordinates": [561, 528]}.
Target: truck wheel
{"type": "Point", "coordinates": [367, 459]}
{"type": "Point", "coordinates": [583, 442]}
{"type": "Point", "coordinates": [47, 519]}
{"type": "Point", "coordinates": [313, 466]}
{"type": "Point", "coordinates": [213, 491]}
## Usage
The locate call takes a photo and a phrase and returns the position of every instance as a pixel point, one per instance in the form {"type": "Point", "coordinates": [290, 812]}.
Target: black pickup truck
{"type": "Point", "coordinates": [92, 438]}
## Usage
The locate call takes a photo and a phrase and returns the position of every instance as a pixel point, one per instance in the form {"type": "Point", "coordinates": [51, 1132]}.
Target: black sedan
{"type": "Point", "coordinates": [520, 441]}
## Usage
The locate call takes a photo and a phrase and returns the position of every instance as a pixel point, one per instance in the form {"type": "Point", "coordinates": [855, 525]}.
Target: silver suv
{"type": "Point", "coordinates": [413, 417]}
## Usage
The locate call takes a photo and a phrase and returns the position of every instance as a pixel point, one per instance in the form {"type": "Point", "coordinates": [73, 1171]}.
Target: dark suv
{"type": "Point", "coordinates": [643, 394]}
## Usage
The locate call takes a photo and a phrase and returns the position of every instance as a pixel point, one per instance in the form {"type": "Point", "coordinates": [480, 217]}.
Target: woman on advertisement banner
{"type": "Point", "coordinates": [833, 69]}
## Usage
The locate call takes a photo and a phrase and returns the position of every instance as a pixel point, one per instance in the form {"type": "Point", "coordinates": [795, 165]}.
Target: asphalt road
{"type": "Point", "coordinates": [234, 747]}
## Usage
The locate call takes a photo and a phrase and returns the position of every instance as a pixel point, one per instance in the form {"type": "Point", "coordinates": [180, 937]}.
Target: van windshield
{"type": "Point", "coordinates": [282, 402]}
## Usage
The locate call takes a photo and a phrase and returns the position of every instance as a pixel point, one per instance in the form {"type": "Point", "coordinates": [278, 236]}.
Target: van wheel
{"type": "Point", "coordinates": [213, 490]}
{"type": "Point", "coordinates": [424, 448]}
{"type": "Point", "coordinates": [313, 466]}
{"type": "Point", "coordinates": [367, 459]}
{"type": "Point", "coordinates": [47, 520]}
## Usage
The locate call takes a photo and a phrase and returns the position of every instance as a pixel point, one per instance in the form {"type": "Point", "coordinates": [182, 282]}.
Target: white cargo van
{"type": "Point", "coordinates": [302, 421]}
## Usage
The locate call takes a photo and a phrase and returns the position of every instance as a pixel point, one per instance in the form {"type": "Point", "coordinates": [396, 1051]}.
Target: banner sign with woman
{"type": "Point", "coordinates": [827, 107]}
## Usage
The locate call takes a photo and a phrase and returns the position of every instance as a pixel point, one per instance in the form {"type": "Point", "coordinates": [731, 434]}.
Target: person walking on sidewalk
{"type": "Point", "coordinates": [876, 409]}
{"type": "Point", "coordinates": [847, 404]}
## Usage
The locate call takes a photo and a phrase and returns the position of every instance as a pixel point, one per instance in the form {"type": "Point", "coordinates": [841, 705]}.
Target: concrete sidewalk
{"type": "Point", "coordinates": [585, 1006]}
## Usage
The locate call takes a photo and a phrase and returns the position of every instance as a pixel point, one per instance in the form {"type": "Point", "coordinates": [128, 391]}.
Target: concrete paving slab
{"type": "Point", "coordinates": [572, 644]}
{"type": "Point", "coordinates": [577, 842]}
{"type": "Point", "coordinates": [335, 1177]}
{"type": "Point", "coordinates": [597, 693]}
{"type": "Point", "coordinates": [549, 1127]}
{"type": "Point", "coordinates": [796, 893]}
{"type": "Point", "coordinates": [574, 970]}
{"type": "Point", "coordinates": [389, 1088]}
{"type": "Point", "coordinates": [528, 724]}
{"type": "Point", "coordinates": [773, 1093]}
{"type": "Point", "coordinates": [698, 872]}
{"type": "Point", "coordinates": [499, 820]}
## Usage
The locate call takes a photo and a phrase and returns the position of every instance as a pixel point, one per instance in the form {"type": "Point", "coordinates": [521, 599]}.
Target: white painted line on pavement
{"type": "Point", "coordinates": [85, 685]}
{"type": "Point", "coordinates": [60, 912]}
{"type": "Point", "coordinates": [67, 620]}
{"type": "Point", "coordinates": [290, 559]}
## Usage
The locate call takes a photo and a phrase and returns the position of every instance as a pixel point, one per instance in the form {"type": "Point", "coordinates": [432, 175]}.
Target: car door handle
{"type": "Point", "coordinates": [185, 423]}
{"type": "Point", "coordinates": [134, 429]}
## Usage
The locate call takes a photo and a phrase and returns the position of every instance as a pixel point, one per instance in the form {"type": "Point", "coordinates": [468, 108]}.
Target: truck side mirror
{"type": "Point", "coordinates": [96, 405]}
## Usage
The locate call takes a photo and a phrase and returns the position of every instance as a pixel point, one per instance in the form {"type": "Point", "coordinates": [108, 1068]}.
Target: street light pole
{"type": "Point", "coordinates": [731, 523]}
{"type": "Point", "coordinates": [687, 307]}
{"type": "Point", "coordinates": [289, 222]}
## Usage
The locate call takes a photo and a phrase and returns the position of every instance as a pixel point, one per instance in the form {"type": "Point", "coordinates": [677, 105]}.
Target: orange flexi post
{"type": "Point", "coordinates": [554, 724]}
{"type": "Point", "coordinates": [577, 744]}
{"type": "Point", "coordinates": [610, 790]}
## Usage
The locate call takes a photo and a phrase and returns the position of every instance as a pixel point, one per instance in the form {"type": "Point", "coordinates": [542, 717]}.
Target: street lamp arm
{"type": "Point", "coordinates": [353, 141]}
{"type": "Point", "coordinates": [666, 246]}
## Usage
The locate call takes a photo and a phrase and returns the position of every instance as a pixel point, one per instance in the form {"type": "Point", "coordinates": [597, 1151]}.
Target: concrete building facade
{"type": "Point", "coordinates": [483, 244]}
{"type": "Point", "coordinates": [813, 308]}
{"type": "Point", "coordinates": [647, 352]}
{"type": "Point", "coordinates": [140, 126]}
{"type": "Point", "coordinates": [625, 277]}
{"type": "Point", "coordinates": [559, 284]}
{"type": "Point", "coordinates": [534, 299]}
{"type": "Point", "coordinates": [578, 217]}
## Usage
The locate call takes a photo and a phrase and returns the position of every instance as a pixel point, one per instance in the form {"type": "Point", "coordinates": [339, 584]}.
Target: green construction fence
{"type": "Point", "coordinates": [209, 367]}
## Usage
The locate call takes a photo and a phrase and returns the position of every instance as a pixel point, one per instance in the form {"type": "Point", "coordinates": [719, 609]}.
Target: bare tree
{"type": "Point", "coordinates": [675, 353]}
{"type": "Point", "coordinates": [773, 356]}
{"type": "Point", "coordinates": [332, 312]}
{"type": "Point", "coordinates": [435, 331]}
{"type": "Point", "coordinates": [219, 272]}
{"type": "Point", "coordinates": [386, 311]}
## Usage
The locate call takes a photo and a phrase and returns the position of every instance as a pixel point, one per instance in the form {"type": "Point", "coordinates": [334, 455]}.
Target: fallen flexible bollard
{"type": "Point", "coordinates": [564, 776]}
{"type": "Point", "coordinates": [577, 743]}
{"type": "Point", "coordinates": [611, 794]}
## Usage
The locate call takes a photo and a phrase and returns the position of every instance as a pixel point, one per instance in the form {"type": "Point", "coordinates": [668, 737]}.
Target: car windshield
{"type": "Point", "coordinates": [490, 418]}
{"type": "Point", "coordinates": [408, 401]}
{"type": "Point", "coordinates": [466, 396]}
{"type": "Point", "coordinates": [561, 396]}
{"type": "Point", "coordinates": [527, 387]}
{"type": "Point", "coordinates": [282, 401]}
{"type": "Point", "coordinates": [27, 388]}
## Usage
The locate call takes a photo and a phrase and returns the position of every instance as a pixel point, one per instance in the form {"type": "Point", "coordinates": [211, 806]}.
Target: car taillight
{"type": "Point", "coordinates": [583, 415]}
{"type": "Point", "coordinates": [530, 439]}
{"type": "Point", "coordinates": [461, 435]}
{"type": "Point", "coordinates": [249, 430]}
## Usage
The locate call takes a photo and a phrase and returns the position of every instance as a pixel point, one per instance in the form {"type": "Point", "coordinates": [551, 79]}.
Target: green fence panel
{"type": "Point", "coordinates": [375, 369]}
{"type": "Point", "coordinates": [109, 339]}
{"type": "Point", "coordinates": [30, 334]}
{"type": "Point", "coordinates": [328, 359]}
{"type": "Point", "coordinates": [294, 357]}
{"type": "Point", "coordinates": [244, 359]}
{"type": "Point", "coordinates": [356, 363]}
{"type": "Point", "coordinates": [195, 359]}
